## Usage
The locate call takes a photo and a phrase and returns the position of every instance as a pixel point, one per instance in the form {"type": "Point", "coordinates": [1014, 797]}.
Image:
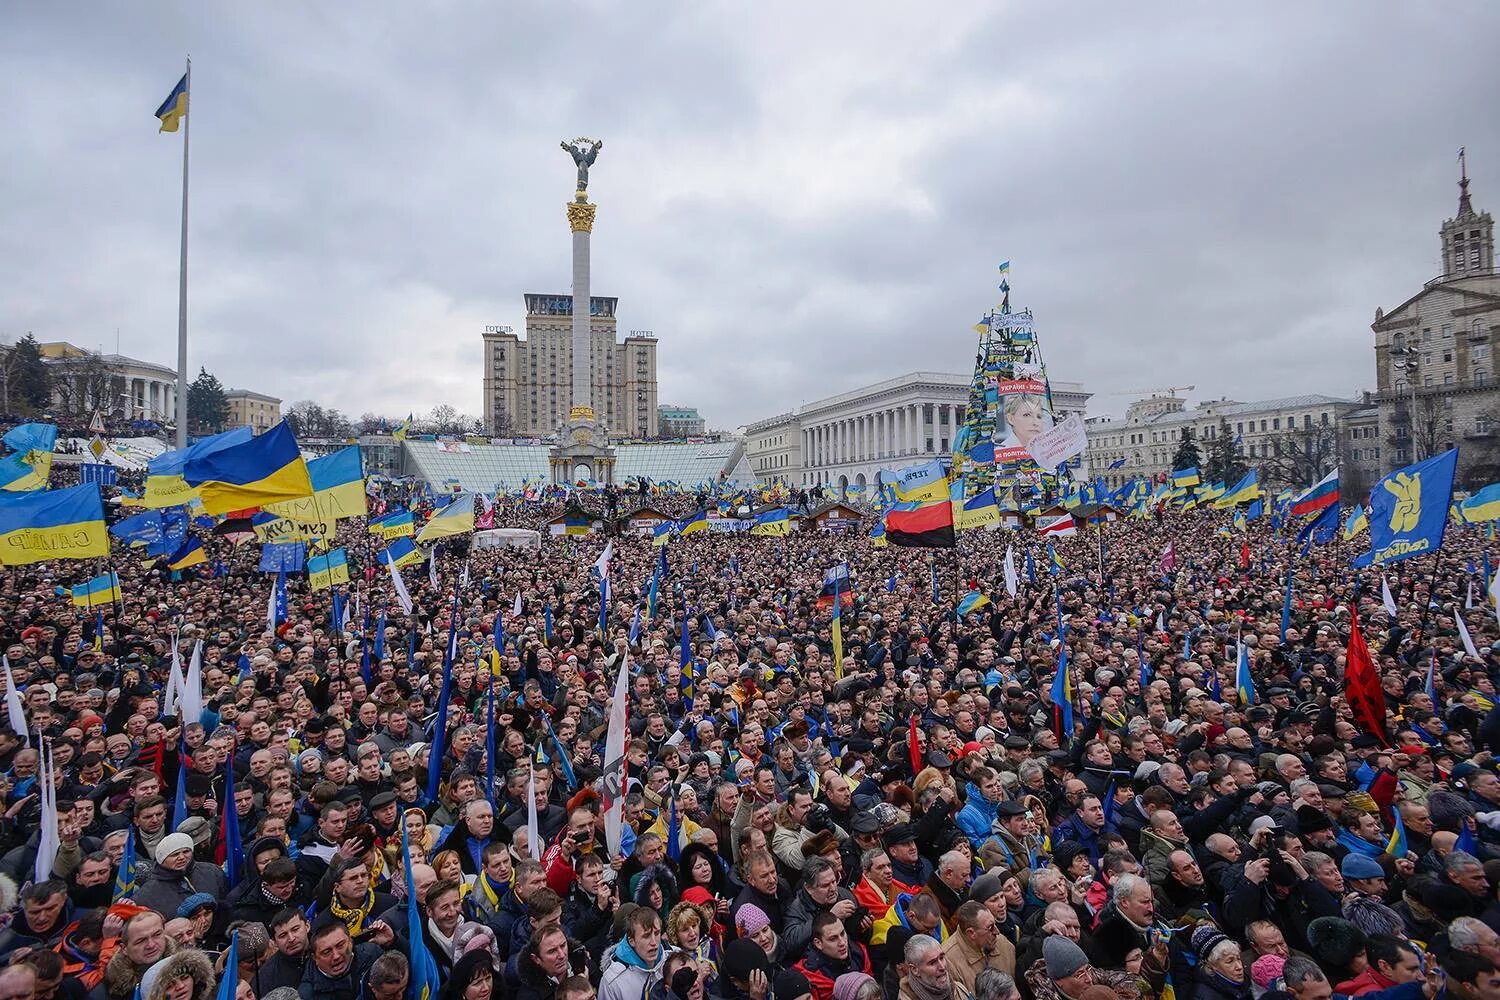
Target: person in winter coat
{"type": "Point", "coordinates": [1220, 974]}
{"type": "Point", "coordinates": [977, 945]}
{"type": "Point", "coordinates": [635, 964]}
{"type": "Point", "coordinates": [977, 817]}
{"type": "Point", "coordinates": [830, 955]}
{"type": "Point", "coordinates": [820, 892]}
{"type": "Point", "coordinates": [45, 914]}
{"type": "Point", "coordinates": [143, 942]}
{"type": "Point", "coordinates": [187, 964]}
{"type": "Point", "coordinates": [338, 967]}
{"type": "Point", "coordinates": [550, 958]}
{"type": "Point", "coordinates": [177, 876]}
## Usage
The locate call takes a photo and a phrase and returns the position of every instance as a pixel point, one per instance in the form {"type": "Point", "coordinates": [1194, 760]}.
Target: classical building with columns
{"type": "Point", "coordinates": [844, 440]}
{"type": "Point", "coordinates": [126, 388]}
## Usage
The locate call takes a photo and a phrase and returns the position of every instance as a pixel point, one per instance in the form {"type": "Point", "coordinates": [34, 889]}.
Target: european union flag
{"type": "Point", "coordinates": [1409, 509]}
{"type": "Point", "coordinates": [1118, 463]}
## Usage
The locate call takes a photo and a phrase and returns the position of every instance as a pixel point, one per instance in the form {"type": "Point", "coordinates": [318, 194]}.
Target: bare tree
{"type": "Point", "coordinates": [1300, 456]}
{"type": "Point", "coordinates": [1421, 428]}
{"type": "Point", "coordinates": [86, 385]}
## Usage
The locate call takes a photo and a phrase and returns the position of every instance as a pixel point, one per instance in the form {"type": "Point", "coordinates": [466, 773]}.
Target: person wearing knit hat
{"type": "Point", "coordinates": [170, 845]}
{"type": "Point", "coordinates": [1335, 943]}
{"type": "Point", "coordinates": [750, 919]}
{"type": "Point", "coordinates": [1266, 970]}
{"type": "Point", "coordinates": [848, 986]}
{"type": "Point", "coordinates": [176, 877]}
{"type": "Point", "coordinates": [791, 984]}
{"type": "Point", "coordinates": [1063, 957]}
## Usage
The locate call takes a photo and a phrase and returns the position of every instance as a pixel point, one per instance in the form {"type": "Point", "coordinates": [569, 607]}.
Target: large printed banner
{"type": "Point", "coordinates": [1021, 417]}
{"type": "Point", "coordinates": [1054, 447]}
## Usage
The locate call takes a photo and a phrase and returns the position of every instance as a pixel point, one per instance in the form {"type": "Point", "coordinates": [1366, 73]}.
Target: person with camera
{"type": "Point", "coordinates": [1276, 887]}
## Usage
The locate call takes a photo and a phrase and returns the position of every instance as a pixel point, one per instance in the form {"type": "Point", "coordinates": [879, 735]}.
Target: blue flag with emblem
{"type": "Point", "coordinates": [1409, 509]}
{"type": "Point", "coordinates": [424, 972]}
{"type": "Point", "coordinates": [125, 879]}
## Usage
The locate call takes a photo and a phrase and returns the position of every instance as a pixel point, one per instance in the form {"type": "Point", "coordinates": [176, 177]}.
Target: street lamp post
{"type": "Point", "coordinates": [1406, 358]}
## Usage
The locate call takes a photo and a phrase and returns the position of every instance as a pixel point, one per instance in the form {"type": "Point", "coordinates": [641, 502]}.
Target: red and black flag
{"type": "Point", "coordinates": [1362, 684]}
{"type": "Point", "coordinates": [928, 526]}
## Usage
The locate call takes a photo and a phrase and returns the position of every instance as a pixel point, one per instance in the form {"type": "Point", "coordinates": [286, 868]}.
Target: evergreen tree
{"type": "Point", "coordinates": [26, 380]}
{"type": "Point", "coordinates": [1224, 463]}
{"type": "Point", "coordinates": [1186, 456]}
{"type": "Point", "coordinates": [208, 406]}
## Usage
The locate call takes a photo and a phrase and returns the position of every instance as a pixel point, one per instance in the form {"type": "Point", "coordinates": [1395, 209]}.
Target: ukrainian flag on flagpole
{"type": "Point", "coordinates": [698, 522]}
{"type": "Point", "coordinates": [190, 554]}
{"type": "Point", "coordinates": [1396, 845]}
{"type": "Point", "coordinates": [403, 552]}
{"type": "Point", "coordinates": [970, 602]}
{"type": "Point", "coordinates": [1185, 477]}
{"type": "Point", "coordinates": [403, 429]}
{"type": "Point", "coordinates": [1483, 505]}
{"type": "Point", "coordinates": [455, 519]}
{"type": "Point", "coordinates": [1358, 521]}
{"type": "Point", "coordinates": [262, 470]}
{"type": "Point", "coordinates": [100, 590]}
{"type": "Point", "coordinates": [174, 107]}
{"type": "Point", "coordinates": [326, 571]}
{"type": "Point", "coordinates": [53, 524]}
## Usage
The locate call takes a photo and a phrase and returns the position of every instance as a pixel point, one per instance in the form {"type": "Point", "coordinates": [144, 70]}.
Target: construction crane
{"type": "Point", "coordinates": [1170, 390]}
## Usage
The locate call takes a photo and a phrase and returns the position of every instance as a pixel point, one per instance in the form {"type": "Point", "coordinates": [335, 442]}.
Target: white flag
{"type": "Point", "coordinates": [1463, 633]}
{"type": "Point", "coordinates": [1011, 580]}
{"type": "Point", "coordinates": [173, 690]}
{"type": "Point", "coordinates": [48, 842]}
{"type": "Point", "coordinates": [463, 577]}
{"type": "Point", "coordinates": [432, 576]}
{"type": "Point", "coordinates": [1469, 598]}
{"type": "Point", "coordinates": [533, 831]}
{"type": "Point", "coordinates": [614, 764]}
{"type": "Point", "coordinates": [271, 611]}
{"type": "Point", "coordinates": [13, 705]}
{"type": "Point", "coordinates": [1495, 594]}
{"type": "Point", "coordinates": [516, 613]}
{"type": "Point", "coordinates": [402, 597]}
{"type": "Point", "coordinates": [1386, 598]}
{"type": "Point", "coordinates": [191, 695]}
{"type": "Point", "coordinates": [602, 563]}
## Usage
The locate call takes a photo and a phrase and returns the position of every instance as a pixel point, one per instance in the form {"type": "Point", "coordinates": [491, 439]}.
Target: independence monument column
{"type": "Point", "coordinates": [582, 451]}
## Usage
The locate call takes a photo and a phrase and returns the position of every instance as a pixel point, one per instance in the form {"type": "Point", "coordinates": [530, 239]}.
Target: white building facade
{"type": "Point", "coordinates": [773, 447]}
{"type": "Point", "coordinates": [845, 440]}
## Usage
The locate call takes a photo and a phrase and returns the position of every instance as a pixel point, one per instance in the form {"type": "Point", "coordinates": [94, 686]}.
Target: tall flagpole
{"type": "Point", "coordinates": [182, 365]}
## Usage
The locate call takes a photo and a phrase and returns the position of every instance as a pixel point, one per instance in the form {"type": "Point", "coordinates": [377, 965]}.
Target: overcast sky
{"type": "Point", "coordinates": [797, 198]}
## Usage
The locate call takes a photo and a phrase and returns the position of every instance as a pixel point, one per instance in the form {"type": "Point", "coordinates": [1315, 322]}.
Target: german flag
{"type": "Point", "coordinates": [928, 526]}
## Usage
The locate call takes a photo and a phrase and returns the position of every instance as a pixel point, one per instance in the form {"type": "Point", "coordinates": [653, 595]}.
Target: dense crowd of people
{"type": "Point", "coordinates": [916, 820]}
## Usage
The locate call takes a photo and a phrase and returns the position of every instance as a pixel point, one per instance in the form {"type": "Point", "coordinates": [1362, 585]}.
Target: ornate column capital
{"type": "Point", "coordinates": [581, 216]}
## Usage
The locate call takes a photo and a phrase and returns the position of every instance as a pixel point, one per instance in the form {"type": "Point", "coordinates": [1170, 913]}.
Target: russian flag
{"type": "Point", "coordinates": [1323, 493]}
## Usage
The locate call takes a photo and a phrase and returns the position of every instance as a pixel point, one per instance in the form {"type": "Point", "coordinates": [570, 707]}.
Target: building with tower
{"type": "Point", "coordinates": [1435, 373]}
{"type": "Point", "coordinates": [528, 380]}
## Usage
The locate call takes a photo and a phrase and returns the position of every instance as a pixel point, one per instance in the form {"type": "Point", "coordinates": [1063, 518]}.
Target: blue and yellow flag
{"type": "Point", "coordinates": [455, 519]}
{"type": "Point", "coordinates": [698, 522]}
{"type": "Point", "coordinates": [190, 554]}
{"type": "Point", "coordinates": [923, 483]}
{"type": "Point", "coordinates": [263, 470]}
{"type": "Point", "coordinates": [1396, 846]}
{"type": "Point", "coordinates": [1244, 491]}
{"type": "Point", "coordinates": [402, 429]}
{"type": "Point", "coordinates": [31, 465]}
{"type": "Point", "coordinates": [1409, 509]}
{"type": "Point", "coordinates": [1185, 477]}
{"type": "Point", "coordinates": [877, 534]}
{"type": "Point", "coordinates": [174, 107]}
{"type": "Point", "coordinates": [104, 589]}
{"type": "Point", "coordinates": [663, 532]}
{"type": "Point", "coordinates": [55, 524]}
{"type": "Point", "coordinates": [400, 524]}
{"type": "Point", "coordinates": [772, 522]}
{"type": "Point", "coordinates": [165, 486]}
{"type": "Point", "coordinates": [1483, 505]}
{"type": "Point", "coordinates": [338, 482]}
{"type": "Point", "coordinates": [1358, 521]}
{"type": "Point", "coordinates": [125, 877]}
{"type": "Point", "coordinates": [970, 602]}
{"type": "Point", "coordinates": [327, 571]}
{"type": "Point", "coordinates": [978, 511]}
{"type": "Point", "coordinates": [403, 552]}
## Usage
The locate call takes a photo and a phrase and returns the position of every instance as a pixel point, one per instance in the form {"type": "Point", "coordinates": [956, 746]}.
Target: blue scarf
{"type": "Point", "coordinates": [1358, 845]}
